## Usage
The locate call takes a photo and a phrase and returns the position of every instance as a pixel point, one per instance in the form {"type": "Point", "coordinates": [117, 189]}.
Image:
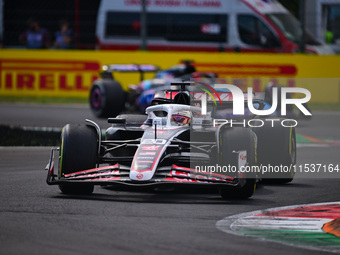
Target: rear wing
{"type": "Point", "coordinates": [107, 70]}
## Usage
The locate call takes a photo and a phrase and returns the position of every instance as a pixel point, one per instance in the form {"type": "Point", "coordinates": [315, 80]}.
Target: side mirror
{"type": "Point", "coordinates": [116, 121]}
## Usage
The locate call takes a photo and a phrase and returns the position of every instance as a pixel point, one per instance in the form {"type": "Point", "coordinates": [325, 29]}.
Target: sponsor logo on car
{"type": "Point", "coordinates": [150, 148]}
{"type": "Point", "coordinates": [139, 176]}
{"type": "Point", "coordinates": [154, 141]}
{"type": "Point", "coordinates": [147, 153]}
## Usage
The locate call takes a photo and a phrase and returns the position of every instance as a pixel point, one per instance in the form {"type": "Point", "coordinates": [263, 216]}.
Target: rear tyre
{"type": "Point", "coordinates": [276, 148]}
{"type": "Point", "coordinates": [79, 149]}
{"type": "Point", "coordinates": [107, 98]}
{"type": "Point", "coordinates": [233, 140]}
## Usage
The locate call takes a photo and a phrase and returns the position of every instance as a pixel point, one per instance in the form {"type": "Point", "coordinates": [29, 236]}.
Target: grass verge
{"type": "Point", "coordinates": [17, 136]}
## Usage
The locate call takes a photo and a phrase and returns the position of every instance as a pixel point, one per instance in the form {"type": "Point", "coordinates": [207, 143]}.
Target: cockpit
{"type": "Point", "coordinates": [171, 115]}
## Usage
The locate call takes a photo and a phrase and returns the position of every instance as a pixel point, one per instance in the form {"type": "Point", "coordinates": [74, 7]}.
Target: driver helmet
{"type": "Point", "coordinates": [182, 118]}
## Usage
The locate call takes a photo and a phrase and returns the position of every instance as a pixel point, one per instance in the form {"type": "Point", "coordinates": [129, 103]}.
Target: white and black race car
{"type": "Point", "coordinates": [172, 145]}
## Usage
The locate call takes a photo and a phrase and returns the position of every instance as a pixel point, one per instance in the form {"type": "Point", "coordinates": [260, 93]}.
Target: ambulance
{"type": "Point", "coordinates": [203, 25]}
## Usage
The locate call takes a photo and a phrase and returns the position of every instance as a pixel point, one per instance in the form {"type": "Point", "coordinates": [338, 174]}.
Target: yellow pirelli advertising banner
{"type": "Point", "coordinates": [54, 73]}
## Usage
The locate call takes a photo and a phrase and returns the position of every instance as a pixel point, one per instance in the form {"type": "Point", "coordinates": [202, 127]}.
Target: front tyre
{"type": "Point", "coordinates": [276, 150]}
{"type": "Point", "coordinates": [78, 151]}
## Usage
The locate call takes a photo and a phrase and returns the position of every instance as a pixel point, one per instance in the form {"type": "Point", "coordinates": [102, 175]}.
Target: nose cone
{"type": "Point", "coordinates": [145, 161]}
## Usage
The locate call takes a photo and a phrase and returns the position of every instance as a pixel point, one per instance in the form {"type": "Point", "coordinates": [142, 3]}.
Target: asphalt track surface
{"type": "Point", "coordinates": [37, 219]}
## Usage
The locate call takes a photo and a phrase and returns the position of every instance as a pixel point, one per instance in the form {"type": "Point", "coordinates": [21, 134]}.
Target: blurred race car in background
{"type": "Point", "coordinates": [108, 97]}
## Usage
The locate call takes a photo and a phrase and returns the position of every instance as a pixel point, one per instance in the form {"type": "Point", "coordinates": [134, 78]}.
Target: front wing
{"type": "Point", "coordinates": [119, 175]}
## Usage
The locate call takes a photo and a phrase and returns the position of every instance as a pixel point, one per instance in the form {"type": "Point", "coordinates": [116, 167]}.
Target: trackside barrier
{"type": "Point", "coordinates": [52, 73]}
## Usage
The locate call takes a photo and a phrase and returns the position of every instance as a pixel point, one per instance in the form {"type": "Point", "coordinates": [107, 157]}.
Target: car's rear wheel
{"type": "Point", "coordinates": [78, 151]}
{"type": "Point", "coordinates": [107, 98]}
{"type": "Point", "coordinates": [234, 140]}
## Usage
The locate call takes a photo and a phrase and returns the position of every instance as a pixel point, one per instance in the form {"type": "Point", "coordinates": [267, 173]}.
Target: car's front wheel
{"type": "Point", "coordinates": [276, 153]}
{"type": "Point", "coordinates": [78, 151]}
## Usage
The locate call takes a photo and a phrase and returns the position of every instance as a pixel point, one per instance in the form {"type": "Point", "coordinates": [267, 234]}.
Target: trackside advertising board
{"type": "Point", "coordinates": [48, 73]}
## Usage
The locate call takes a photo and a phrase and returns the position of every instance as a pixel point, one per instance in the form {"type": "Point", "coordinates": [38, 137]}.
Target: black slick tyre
{"type": "Point", "coordinates": [277, 152]}
{"type": "Point", "coordinates": [107, 98]}
{"type": "Point", "coordinates": [78, 151]}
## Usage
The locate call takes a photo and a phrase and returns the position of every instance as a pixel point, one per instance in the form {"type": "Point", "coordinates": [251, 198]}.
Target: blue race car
{"type": "Point", "coordinates": [108, 97]}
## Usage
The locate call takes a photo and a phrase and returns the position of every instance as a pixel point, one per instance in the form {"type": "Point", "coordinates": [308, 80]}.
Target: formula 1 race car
{"type": "Point", "coordinates": [108, 97]}
{"type": "Point", "coordinates": [174, 144]}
